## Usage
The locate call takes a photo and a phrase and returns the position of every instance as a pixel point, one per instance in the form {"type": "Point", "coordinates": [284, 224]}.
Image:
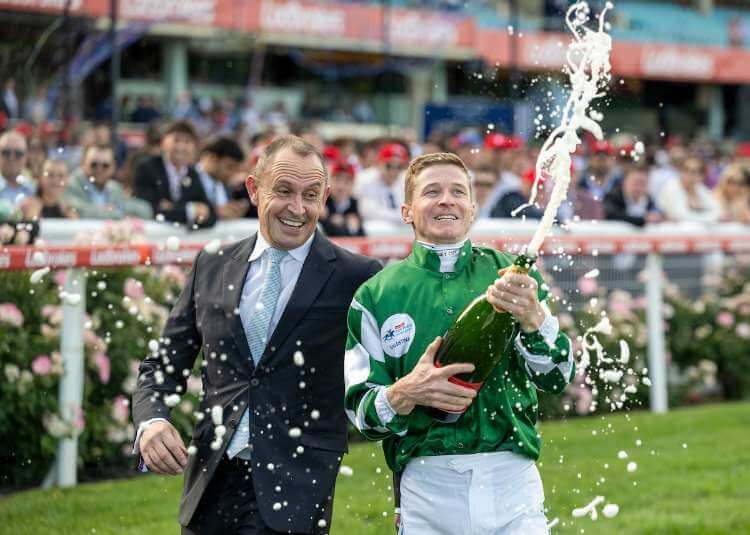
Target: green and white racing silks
{"type": "Point", "coordinates": [394, 317]}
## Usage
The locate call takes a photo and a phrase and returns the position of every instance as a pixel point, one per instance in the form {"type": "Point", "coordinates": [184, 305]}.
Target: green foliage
{"type": "Point", "coordinates": [121, 319]}
{"type": "Point", "coordinates": [709, 338]}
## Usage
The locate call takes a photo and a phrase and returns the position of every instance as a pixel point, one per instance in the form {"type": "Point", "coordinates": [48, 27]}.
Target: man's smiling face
{"type": "Point", "coordinates": [290, 198]}
{"type": "Point", "coordinates": [441, 209]}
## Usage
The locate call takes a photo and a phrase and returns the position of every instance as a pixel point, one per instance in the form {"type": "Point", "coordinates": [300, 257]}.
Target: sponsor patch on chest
{"type": "Point", "coordinates": [397, 334]}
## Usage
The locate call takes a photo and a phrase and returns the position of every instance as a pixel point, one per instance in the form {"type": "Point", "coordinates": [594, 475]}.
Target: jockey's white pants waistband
{"type": "Point", "coordinates": [497, 493]}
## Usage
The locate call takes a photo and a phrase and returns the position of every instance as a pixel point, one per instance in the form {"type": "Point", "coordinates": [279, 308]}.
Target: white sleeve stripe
{"type": "Point", "coordinates": [356, 366]}
{"type": "Point", "coordinates": [370, 332]}
{"type": "Point", "coordinates": [360, 422]}
{"type": "Point", "coordinates": [543, 363]}
{"type": "Point", "coordinates": [538, 363]}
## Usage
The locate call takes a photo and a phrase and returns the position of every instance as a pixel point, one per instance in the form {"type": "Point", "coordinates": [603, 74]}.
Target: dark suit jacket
{"type": "Point", "coordinates": [313, 322]}
{"type": "Point", "coordinates": [152, 185]}
{"type": "Point", "coordinates": [615, 207]}
{"type": "Point", "coordinates": [341, 229]}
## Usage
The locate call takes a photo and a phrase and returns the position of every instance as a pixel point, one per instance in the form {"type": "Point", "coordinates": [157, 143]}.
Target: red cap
{"type": "Point", "coordinates": [529, 175]}
{"type": "Point", "coordinates": [499, 141]}
{"type": "Point", "coordinates": [393, 151]}
{"type": "Point", "coordinates": [603, 146]}
{"type": "Point", "coordinates": [332, 153]}
{"type": "Point", "coordinates": [342, 168]}
{"type": "Point", "coordinates": [742, 150]}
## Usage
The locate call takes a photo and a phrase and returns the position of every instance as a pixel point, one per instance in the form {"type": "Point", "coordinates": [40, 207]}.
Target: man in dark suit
{"type": "Point", "coordinates": [170, 183]}
{"type": "Point", "coordinates": [629, 199]}
{"type": "Point", "coordinates": [269, 315]}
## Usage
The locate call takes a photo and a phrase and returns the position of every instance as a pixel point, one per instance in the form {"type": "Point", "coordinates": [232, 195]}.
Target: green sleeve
{"type": "Point", "coordinates": [548, 357]}
{"type": "Point", "coordinates": [366, 372]}
{"type": "Point", "coordinates": [550, 367]}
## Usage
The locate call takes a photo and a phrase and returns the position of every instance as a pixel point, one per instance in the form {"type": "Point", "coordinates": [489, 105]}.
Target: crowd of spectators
{"type": "Point", "coordinates": [179, 175]}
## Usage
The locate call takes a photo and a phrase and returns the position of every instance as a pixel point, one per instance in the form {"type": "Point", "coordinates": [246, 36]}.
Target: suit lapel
{"type": "Point", "coordinates": [234, 274]}
{"type": "Point", "coordinates": [162, 180]}
{"type": "Point", "coordinates": [316, 271]}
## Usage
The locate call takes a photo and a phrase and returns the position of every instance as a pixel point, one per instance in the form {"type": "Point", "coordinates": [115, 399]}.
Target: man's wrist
{"type": "Point", "coordinates": [534, 322]}
{"type": "Point", "coordinates": [398, 400]}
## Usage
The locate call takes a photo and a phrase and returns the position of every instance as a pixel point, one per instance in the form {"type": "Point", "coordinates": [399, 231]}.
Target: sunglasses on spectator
{"type": "Point", "coordinates": [100, 165]}
{"type": "Point", "coordinates": [16, 153]}
{"type": "Point", "coordinates": [693, 170]}
{"type": "Point", "coordinates": [483, 184]}
{"type": "Point", "coordinates": [393, 166]}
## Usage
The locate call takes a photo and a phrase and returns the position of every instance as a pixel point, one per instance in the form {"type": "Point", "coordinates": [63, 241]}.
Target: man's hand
{"type": "Point", "coordinates": [517, 293]}
{"type": "Point", "coordinates": [202, 211]}
{"type": "Point", "coordinates": [162, 449]}
{"type": "Point", "coordinates": [428, 385]}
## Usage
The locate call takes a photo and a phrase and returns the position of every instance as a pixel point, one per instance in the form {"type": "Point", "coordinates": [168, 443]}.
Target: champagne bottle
{"type": "Point", "coordinates": [480, 336]}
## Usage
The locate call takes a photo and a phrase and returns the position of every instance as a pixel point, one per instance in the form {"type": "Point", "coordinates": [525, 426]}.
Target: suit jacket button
{"type": "Point", "coordinates": [254, 382]}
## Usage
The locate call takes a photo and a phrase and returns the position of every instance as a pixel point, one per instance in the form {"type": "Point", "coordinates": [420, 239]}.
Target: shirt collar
{"type": "Point", "coordinates": [172, 170]}
{"type": "Point", "coordinates": [299, 254]}
{"type": "Point", "coordinates": [425, 256]}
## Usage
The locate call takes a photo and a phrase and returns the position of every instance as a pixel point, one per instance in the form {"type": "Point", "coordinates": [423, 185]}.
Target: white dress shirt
{"type": "Point", "coordinates": [215, 190]}
{"type": "Point", "coordinates": [291, 267]}
{"type": "Point", "coordinates": [380, 202]}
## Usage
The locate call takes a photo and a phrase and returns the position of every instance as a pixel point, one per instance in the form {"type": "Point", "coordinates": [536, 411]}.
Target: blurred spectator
{"type": "Point", "coordinates": [14, 185]}
{"type": "Point", "coordinates": [94, 194]}
{"type": "Point", "coordinates": [9, 103]}
{"type": "Point", "coordinates": [102, 135]}
{"type": "Point", "coordinates": [599, 175]}
{"type": "Point", "coordinates": [688, 199]}
{"type": "Point", "coordinates": [36, 109]}
{"type": "Point", "coordinates": [250, 117]}
{"type": "Point", "coordinates": [733, 194]}
{"type": "Point", "coordinates": [513, 198]}
{"type": "Point", "coordinates": [484, 179]}
{"type": "Point", "coordinates": [629, 199]}
{"type": "Point", "coordinates": [382, 194]}
{"type": "Point", "coordinates": [170, 184]}
{"type": "Point", "coordinates": [36, 156]}
{"type": "Point", "coordinates": [184, 108]}
{"type": "Point", "coordinates": [277, 118]}
{"type": "Point", "coordinates": [220, 160]}
{"type": "Point", "coordinates": [667, 165]}
{"type": "Point", "coordinates": [151, 148]}
{"type": "Point", "coordinates": [48, 201]}
{"type": "Point", "coordinates": [341, 216]}
{"type": "Point", "coordinates": [145, 110]}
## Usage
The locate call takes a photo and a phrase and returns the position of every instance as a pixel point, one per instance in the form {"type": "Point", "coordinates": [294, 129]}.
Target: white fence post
{"type": "Point", "coordinates": [657, 362]}
{"type": "Point", "coordinates": [71, 385]}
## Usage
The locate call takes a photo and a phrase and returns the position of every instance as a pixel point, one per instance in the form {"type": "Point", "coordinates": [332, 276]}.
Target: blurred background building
{"type": "Point", "coordinates": [680, 67]}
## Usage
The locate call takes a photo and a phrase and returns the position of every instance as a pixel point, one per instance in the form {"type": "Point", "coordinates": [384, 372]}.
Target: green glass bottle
{"type": "Point", "coordinates": [480, 336]}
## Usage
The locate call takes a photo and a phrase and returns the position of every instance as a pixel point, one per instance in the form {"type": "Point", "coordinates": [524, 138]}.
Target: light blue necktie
{"type": "Point", "coordinates": [257, 334]}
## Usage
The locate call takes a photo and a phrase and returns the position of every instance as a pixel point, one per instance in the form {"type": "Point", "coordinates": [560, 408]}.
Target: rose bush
{"type": "Point", "coordinates": [125, 308]}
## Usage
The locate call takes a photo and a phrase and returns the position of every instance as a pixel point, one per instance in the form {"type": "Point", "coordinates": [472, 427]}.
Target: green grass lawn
{"type": "Point", "coordinates": [693, 477]}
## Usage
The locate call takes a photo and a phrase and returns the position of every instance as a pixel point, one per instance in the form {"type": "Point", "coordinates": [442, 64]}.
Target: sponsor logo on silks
{"type": "Point", "coordinates": [397, 334]}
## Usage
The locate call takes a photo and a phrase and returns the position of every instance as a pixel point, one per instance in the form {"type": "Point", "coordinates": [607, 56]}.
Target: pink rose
{"type": "Point", "coordinates": [101, 361]}
{"type": "Point", "coordinates": [79, 423]}
{"type": "Point", "coordinates": [11, 314]}
{"type": "Point", "coordinates": [584, 400]}
{"type": "Point", "coordinates": [133, 289]}
{"type": "Point", "coordinates": [175, 274]}
{"type": "Point", "coordinates": [587, 285]}
{"type": "Point", "coordinates": [59, 277]}
{"type": "Point", "coordinates": [41, 365]}
{"type": "Point", "coordinates": [121, 409]}
{"type": "Point", "coordinates": [725, 319]}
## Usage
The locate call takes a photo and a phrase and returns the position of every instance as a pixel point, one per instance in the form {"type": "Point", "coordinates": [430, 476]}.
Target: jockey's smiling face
{"type": "Point", "coordinates": [440, 208]}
